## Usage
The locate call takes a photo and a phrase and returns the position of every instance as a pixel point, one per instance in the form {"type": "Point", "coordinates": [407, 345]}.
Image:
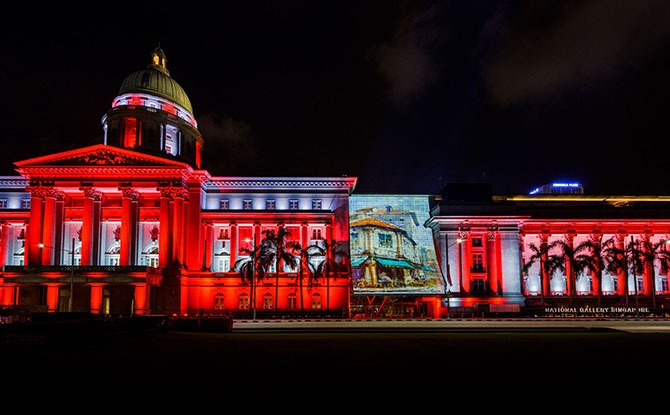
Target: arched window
{"type": "Point", "coordinates": [150, 255]}
{"type": "Point", "coordinates": [112, 254]}
{"type": "Point", "coordinates": [222, 259]}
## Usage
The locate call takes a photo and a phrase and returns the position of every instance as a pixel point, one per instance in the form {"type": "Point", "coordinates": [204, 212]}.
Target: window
{"type": "Point", "coordinates": [171, 134]}
{"type": "Point", "coordinates": [244, 301]}
{"type": "Point", "coordinates": [63, 299]}
{"type": "Point", "coordinates": [218, 302]}
{"type": "Point", "coordinates": [293, 204]}
{"type": "Point", "coordinates": [106, 301]}
{"type": "Point", "coordinates": [385, 240]}
{"type": "Point", "coordinates": [292, 301]}
{"type": "Point", "coordinates": [477, 242]}
{"type": "Point", "coordinates": [316, 204]}
{"type": "Point", "coordinates": [25, 203]}
{"type": "Point", "coordinates": [270, 204]}
{"type": "Point", "coordinates": [150, 254]}
{"type": "Point", "coordinates": [316, 234]}
{"type": "Point", "coordinates": [316, 301]}
{"type": "Point", "coordinates": [3, 203]}
{"type": "Point", "coordinates": [247, 204]}
{"type": "Point", "coordinates": [267, 301]}
{"type": "Point", "coordinates": [223, 264]}
{"type": "Point", "coordinates": [224, 204]}
{"type": "Point", "coordinates": [130, 138]}
{"type": "Point", "coordinates": [478, 263]}
{"type": "Point", "coordinates": [478, 285]}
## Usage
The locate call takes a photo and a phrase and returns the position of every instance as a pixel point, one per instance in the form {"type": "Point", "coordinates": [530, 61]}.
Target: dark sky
{"type": "Point", "coordinates": [404, 95]}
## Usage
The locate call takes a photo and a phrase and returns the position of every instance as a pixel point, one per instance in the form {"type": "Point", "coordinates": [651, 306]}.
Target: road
{"type": "Point", "coordinates": [354, 366]}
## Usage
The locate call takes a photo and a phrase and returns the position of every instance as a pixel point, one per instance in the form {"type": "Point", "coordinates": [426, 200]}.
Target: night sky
{"type": "Point", "coordinates": [405, 95]}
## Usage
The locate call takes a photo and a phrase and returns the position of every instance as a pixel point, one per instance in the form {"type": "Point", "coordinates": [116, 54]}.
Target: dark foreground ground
{"type": "Point", "coordinates": [354, 371]}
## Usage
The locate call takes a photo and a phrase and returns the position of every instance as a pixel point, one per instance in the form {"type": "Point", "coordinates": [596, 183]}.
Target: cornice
{"type": "Point", "coordinates": [13, 182]}
{"type": "Point", "coordinates": [104, 172]}
{"type": "Point", "coordinates": [281, 183]}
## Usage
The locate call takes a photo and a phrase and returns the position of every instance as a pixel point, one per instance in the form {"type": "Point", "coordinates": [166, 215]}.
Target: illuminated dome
{"type": "Point", "coordinates": [155, 80]}
{"type": "Point", "coordinates": [153, 115]}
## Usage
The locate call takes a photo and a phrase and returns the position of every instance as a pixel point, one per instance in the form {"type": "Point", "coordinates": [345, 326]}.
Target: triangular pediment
{"type": "Point", "coordinates": [98, 155]}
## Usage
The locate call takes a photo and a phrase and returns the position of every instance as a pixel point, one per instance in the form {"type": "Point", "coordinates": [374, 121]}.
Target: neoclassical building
{"type": "Point", "coordinates": [135, 225]}
{"type": "Point", "coordinates": [553, 250]}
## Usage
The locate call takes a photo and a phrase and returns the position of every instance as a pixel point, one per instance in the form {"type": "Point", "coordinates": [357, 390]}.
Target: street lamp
{"type": "Point", "coordinates": [70, 300]}
{"type": "Point", "coordinates": [448, 282]}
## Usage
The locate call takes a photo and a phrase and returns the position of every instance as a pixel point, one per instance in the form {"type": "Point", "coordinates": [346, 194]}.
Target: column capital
{"type": "Point", "coordinates": [172, 193]}
{"type": "Point", "coordinates": [90, 191]}
{"type": "Point", "coordinates": [130, 192]}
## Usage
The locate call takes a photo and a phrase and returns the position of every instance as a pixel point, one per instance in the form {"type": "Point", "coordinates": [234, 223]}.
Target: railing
{"type": "Point", "coordinates": [38, 269]}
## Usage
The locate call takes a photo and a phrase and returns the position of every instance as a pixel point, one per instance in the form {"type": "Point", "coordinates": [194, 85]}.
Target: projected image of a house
{"type": "Point", "coordinates": [391, 249]}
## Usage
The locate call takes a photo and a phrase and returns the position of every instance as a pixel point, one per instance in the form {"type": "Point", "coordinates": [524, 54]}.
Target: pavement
{"type": "Point", "coordinates": [490, 325]}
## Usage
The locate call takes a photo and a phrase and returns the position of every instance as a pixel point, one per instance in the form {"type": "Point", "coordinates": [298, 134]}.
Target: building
{"type": "Point", "coordinates": [134, 225]}
{"type": "Point", "coordinates": [559, 188]}
{"type": "Point", "coordinates": [575, 254]}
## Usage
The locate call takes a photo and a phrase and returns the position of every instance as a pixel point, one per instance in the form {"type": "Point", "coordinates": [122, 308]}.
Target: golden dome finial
{"type": "Point", "coordinates": [159, 60]}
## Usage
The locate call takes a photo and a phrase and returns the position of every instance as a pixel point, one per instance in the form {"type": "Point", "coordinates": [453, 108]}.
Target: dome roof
{"type": "Point", "coordinates": [155, 80]}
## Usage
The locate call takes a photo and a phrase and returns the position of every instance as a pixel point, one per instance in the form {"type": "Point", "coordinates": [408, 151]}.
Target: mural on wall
{"type": "Point", "coordinates": [391, 251]}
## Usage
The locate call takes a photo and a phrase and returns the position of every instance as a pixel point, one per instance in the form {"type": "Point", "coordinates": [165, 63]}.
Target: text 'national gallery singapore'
{"type": "Point", "coordinates": [134, 226]}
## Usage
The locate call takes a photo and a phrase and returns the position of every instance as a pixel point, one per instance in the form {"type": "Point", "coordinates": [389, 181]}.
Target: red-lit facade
{"type": "Point", "coordinates": [149, 232]}
{"type": "Point", "coordinates": [585, 254]}
{"type": "Point", "coordinates": [154, 236]}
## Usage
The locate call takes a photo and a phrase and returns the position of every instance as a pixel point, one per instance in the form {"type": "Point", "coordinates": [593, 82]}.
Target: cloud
{"type": "Point", "coordinates": [228, 144]}
{"type": "Point", "coordinates": [405, 61]}
{"type": "Point", "coordinates": [578, 44]}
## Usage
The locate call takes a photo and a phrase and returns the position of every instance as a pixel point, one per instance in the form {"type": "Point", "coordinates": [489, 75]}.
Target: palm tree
{"type": "Point", "coordinates": [615, 262]}
{"type": "Point", "coordinates": [636, 262]}
{"type": "Point", "coordinates": [281, 252]}
{"type": "Point", "coordinates": [307, 264]}
{"type": "Point", "coordinates": [541, 256]}
{"type": "Point", "coordinates": [574, 260]}
{"type": "Point", "coordinates": [628, 259]}
{"type": "Point", "coordinates": [649, 254]}
{"type": "Point", "coordinates": [332, 252]}
{"type": "Point", "coordinates": [248, 268]}
{"type": "Point", "coordinates": [596, 264]}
